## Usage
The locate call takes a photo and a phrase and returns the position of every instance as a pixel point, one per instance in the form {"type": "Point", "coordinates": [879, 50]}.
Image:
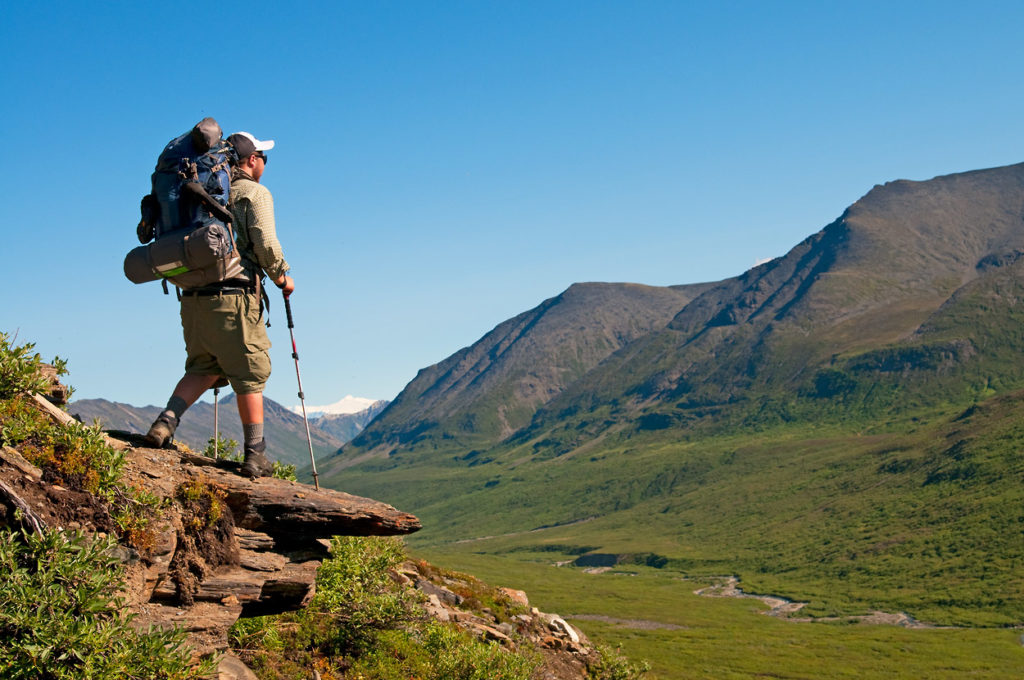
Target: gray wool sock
{"type": "Point", "coordinates": [253, 433]}
{"type": "Point", "coordinates": [176, 406]}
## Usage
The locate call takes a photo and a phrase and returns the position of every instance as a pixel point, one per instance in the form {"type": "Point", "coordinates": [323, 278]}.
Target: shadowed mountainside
{"type": "Point", "coordinates": [841, 311]}
{"type": "Point", "coordinates": [860, 302]}
{"type": "Point", "coordinates": [485, 392]}
{"type": "Point", "coordinates": [831, 426]}
{"type": "Point", "coordinates": [285, 431]}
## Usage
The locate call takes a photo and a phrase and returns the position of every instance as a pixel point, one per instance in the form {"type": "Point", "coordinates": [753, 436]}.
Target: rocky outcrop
{"type": "Point", "coordinates": [221, 547]}
{"type": "Point", "coordinates": [258, 556]}
{"type": "Point", "coordinates": [455, 598]}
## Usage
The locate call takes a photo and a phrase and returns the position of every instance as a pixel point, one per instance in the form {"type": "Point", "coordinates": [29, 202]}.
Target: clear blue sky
{"type": "Point", "coordinates": [443, 166]}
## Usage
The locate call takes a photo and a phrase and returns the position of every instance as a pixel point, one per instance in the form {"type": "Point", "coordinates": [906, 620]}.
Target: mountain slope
{"type": "Point", "coordinates": [346, 426]}
{"type": "Point", "coordinates": [485, 392]}
{"type": "Point", "coordinates": [856, 304]}
{"type": "Point", "coordinates": [285, 431]}
{"type": "Point", "coordinates": [741, 348]}
{"type": "Point", "coordinates": [839, 423]}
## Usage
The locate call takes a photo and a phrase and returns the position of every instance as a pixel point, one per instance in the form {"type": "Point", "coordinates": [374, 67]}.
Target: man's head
{"type": "Point", "coordinates": [251, 152]}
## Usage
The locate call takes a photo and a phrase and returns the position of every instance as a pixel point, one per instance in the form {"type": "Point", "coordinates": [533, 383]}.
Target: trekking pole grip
{"type": "Point", "coordinates": [288, 311]}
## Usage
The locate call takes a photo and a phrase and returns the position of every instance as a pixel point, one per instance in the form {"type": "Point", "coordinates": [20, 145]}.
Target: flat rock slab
{"type": "Point", "coordinates": [291, 512]}
{"type": "Point", "coordinates": [207, 623]}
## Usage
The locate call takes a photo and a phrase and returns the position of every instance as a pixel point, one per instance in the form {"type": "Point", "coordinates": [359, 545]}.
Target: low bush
{"type": "Point", "coordinates": [19, 368]}
{"type": "Point", "coordinates": [61, 618]}
{"type": "Point", "coordinates": [222, 449]}
{"type": "Point", "coordinates": [612, 665]}
{"type": "Point", "coordinates": [435, 651]}
{"type": "Point", "coordinates": [362, 624]}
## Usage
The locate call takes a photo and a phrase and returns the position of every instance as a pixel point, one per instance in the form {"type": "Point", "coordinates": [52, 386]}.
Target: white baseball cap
{"type": "Point", "coordinates": [246, 145]}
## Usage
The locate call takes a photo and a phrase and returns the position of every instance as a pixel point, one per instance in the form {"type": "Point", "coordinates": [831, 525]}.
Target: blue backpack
{"type": "Point", "coordinates": [187, 215]}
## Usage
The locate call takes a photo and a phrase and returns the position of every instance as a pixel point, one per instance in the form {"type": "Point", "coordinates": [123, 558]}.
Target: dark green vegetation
{"type": "Point", "coordinates": [653, 614]}
{"type": "Point", "coordinates": [927, 522]}
{"type": "Point", "coordinates": [61, 618]}
{"type": "Point", "coordinates": [838, 426]}
{"type": "Point", "coordinates": [363, 624]}
{"type": "Point", "coordinates": [76, 457]}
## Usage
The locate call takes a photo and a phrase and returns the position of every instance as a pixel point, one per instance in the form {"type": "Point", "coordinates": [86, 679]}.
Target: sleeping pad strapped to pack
{"type": "Point", "coordinates": [187, 215]}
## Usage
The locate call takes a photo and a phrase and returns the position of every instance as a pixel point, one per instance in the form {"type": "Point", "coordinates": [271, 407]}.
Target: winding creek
{"type": "Point", "coordinates": [728, 586]}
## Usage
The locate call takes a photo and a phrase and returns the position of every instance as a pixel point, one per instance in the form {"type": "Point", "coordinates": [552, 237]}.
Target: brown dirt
{"type": "Point", "coordinates": [206, 541]}
{"type": "Point", "coordinates": [56, 505]}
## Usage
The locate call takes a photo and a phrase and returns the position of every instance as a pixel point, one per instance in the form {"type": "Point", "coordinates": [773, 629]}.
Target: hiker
{"type": "Point", "coordinates": [225, 339]}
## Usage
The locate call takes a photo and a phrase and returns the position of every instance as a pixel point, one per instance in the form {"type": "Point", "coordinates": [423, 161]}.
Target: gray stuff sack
{"type": "Point", "coordinates": [189, 258]}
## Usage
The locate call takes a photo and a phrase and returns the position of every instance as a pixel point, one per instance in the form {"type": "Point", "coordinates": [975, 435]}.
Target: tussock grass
{"type": "Point", "coordinates": [730, 638]}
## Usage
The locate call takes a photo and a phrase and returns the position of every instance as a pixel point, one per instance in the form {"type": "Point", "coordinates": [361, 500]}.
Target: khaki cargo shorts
{"type": "Point", "coordinates": [225, 336]}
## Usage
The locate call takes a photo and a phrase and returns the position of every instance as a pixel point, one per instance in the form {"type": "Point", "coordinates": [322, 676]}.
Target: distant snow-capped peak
{"type": "Point", "coordinates": [348, 404]}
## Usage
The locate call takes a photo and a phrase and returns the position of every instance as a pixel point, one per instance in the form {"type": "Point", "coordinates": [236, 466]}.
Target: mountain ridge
{"type": "Point", "coordinates": [866, 378]}
{"type": "Point", "coordinates": [813, 295]}
{"type": "Point", "coordinates": [503, 371]}
{"type": "Point", "coordinates": [858, 270]}
{"type": "Point", "coordinates": [285, 431]}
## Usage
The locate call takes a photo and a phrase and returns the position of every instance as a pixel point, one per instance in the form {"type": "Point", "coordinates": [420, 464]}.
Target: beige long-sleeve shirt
{"type": "Point", "coordinates": [253, 208]}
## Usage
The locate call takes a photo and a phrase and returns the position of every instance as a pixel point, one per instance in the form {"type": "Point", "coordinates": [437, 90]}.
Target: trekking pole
{"type": "Point", "coordinates": [216, 423]}
{"type": "Point", "coordinates": [302, 397]}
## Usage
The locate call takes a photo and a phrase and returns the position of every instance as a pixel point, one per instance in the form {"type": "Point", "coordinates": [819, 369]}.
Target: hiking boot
{"type": "Point", "coordinates": [256, 463]}
{"type": "Point", "coordinates": [162, 429]}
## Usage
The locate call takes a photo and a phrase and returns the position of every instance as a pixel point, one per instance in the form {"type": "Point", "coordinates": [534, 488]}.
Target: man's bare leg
{"type": "Point", "coordinates": [250, 407]}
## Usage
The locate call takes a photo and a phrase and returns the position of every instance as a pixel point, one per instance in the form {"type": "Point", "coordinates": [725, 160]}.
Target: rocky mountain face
{"type": "Point", "coordinates": [346, 426]}
{"type": "Point", "coordinates": [485, 392]}
{"type": "Point", "coordinates": [912, 285]}
{"type": "Point", "coordinates": [859, 303]}
{"type": "Point", "coordinates": [284, 430]}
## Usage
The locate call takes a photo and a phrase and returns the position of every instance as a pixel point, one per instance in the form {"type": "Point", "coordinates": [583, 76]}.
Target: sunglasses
{"type": "Point", "coordinates": [260, 154]}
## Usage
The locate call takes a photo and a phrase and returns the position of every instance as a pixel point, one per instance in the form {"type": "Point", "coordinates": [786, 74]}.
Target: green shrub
{"type": "Point", "coordinates": [439, 652]}
{"type": "Point", "coordinates": [362, 624]}
{"type": "Point", "coordinates": [78, 454]}
{"type": "Point", "coordinates": [60, 617]}
{"type": "Point", "coordinates": [353, 588]}
{"type": "Point", "coordinates": [257, 632]}
{"type": "Point", "coordinates": [613, 666]}
{"type": "Point", "coordinates": [19, 368]}
{"type": "Point", "coordinates": [222, 449]}
{"type": "Point", "coordinates": [284, 471]}
{"type": "Point", "coordinates": [457, 656]}
{"type": "Point", "coordinates": [133, 511]}
{"type": "Point", "coordinates": [355, 599]}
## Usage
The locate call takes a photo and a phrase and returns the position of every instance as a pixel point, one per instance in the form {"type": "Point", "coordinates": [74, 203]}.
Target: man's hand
{"type": "Point", "coordinates": [286, 284]}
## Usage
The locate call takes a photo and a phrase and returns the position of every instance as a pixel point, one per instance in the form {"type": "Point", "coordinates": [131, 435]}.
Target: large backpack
{"type": "Point", "coordinates": [187, 214]}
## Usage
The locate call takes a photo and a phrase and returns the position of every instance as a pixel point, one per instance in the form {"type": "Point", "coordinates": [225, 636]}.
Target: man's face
{"type": "Point", "coordinates": [257, 163]}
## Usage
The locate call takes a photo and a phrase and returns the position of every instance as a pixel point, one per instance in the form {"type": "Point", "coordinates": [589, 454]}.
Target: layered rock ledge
{"type": "Point", "coordinates": [222, 547]}
{"type": "Point", "coordinates": [258, 558]}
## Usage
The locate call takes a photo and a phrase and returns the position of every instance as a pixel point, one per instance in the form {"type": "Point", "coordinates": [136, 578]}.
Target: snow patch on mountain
{"type": "Point", "coordinates": [347, 405]}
